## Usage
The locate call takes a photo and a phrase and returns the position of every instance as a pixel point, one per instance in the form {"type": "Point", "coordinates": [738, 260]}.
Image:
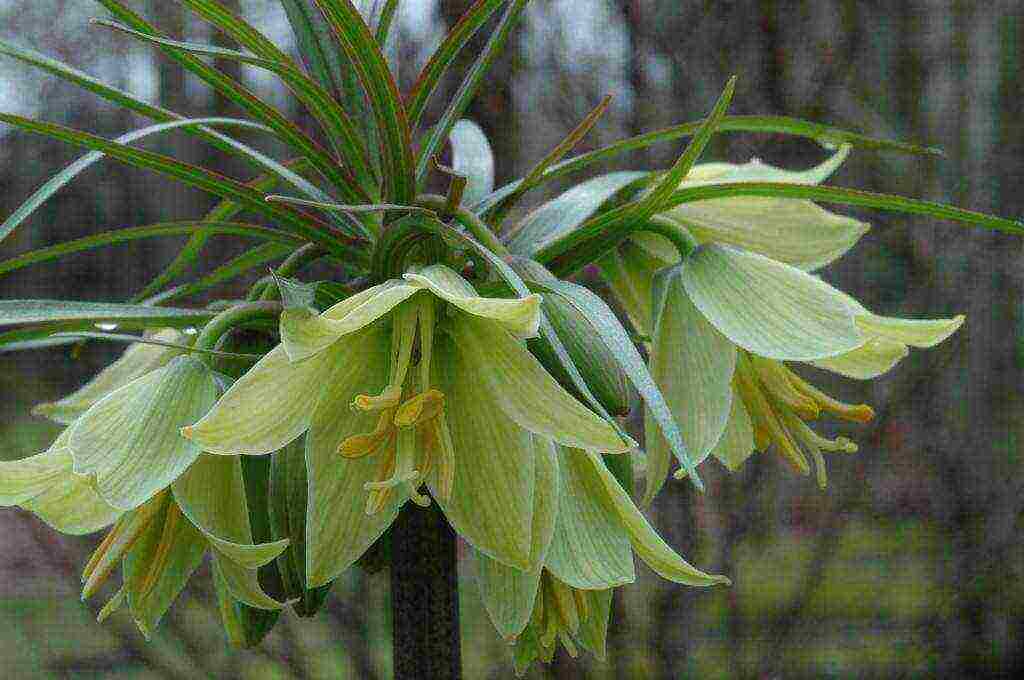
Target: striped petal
{"type": "Point", "coordinates": [875, 357]}
{"type": "Point", "coordinates": [737, 442]}
{"type": "Point", "coordinates": [130, 441]}
{"type": "Point", "coordinates": [913, 332]}
{"type": "Point", "coordinates": [769, 308]}
{"type": "Point", "coordinates": [519, 316]}
{"type": "Point", "coordinates": [517, 385]}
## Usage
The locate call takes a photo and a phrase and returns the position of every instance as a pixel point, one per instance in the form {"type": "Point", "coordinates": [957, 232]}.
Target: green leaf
{"type": "Point", "coordinates": [140, 340]}
{"type": "Point", "coordinates": [766, 124]}
{"type": "Point", "coordinates": [472, 157]}
{"type": "Point", "coordinates": [562, 215]}
{"type": "Point", "coordinates": [387, 15]}
{"type": "Point", "coordinates": [842, 196]}
{"type": "Point", "coordinates": [389, 111]}
{"type": "Point", "coordinates": [444, 56]}
{"type": "Point", "coordinates": [194, 176]}
{"type": "Point", "coordinates": [130, 439]}
{"type": "Point", "coordinates": [499, 210]}
{"type": "Point", "coordinates": [149, 231]}
{"type": "Point", "coordinates": [127, 316]}
{"type": "Point", "coordinates": [468, 89]}
{"type": "Point", "coordinates": [315, 42]}
{"type": "Point", "coordinates": [289, 133]}
{"type": "Point", "coordinates": [317, 100]}
{"type": "Point", "coordinates": [225, 210]}
{"type": "Point", "coordinates": [247, 261]}
{"type": "Point", "coordinates": [602, 323]}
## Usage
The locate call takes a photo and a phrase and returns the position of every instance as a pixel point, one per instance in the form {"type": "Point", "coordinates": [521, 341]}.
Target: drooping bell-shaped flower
{"type": "Point", "coordinates": [586, 530]}
{"type": "Point", "coordinates": [724, 319]}
{"type": "Point", "coordinates": [417, 381]}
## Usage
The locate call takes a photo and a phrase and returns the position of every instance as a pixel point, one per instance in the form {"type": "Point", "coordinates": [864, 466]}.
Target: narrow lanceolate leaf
{"type": "Point", "coordinates": [109, 238]}
{"type": "Point", "coordinates": [865, 199]}
{"type": "Point", "coordinates": [289, 133]}
{"type": "Point", "coordinates": [442, 59]}
{"type": "Point", "coordinates": [824, 134]}
{"type": "Point", "coordinates": [384, 21]}
{"type": "Point", "coordinates": [225, 210]}
{"type": "Point", "coordinates": [499, 210]}
{"type": "Point", "coordinates": [194, 176]}
{"type": "Point", "coordinates": [251, 259]}
{"type": "Point", "coordinates": [130, 440]}
{"type": "Point", "coordinates": [468, 89]}
{"type": "Point", "coordinates": [389, 111]}
{"type": "Point", "coordinates": [129, 102]}
{"type": "Point", "coordinates": [318, 101]}
{"type": "Point", "coordinates": [601, 321]}
{"type": "Point", "coordinates": [472, 158]}
{"type": "Point", "coordinates": [562, 215]}
{"type": "Point", "coordinates": [323, 57]}
{"type": "Point", "coordinates": [13, 312]}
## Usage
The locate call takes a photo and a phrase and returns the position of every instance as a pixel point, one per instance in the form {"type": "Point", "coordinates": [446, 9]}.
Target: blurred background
{"type": "Point", "coordinates": [910, 565]}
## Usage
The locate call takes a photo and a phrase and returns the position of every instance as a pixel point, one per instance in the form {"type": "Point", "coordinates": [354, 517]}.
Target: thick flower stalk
{"type": "Point", "coordinates": [415, 383]}
{"type": "Point", "coordinates": [726, 316]}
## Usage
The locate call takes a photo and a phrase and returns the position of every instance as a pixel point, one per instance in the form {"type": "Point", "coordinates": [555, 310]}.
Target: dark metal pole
{"type": "Point", "coordinates": [424, 596]}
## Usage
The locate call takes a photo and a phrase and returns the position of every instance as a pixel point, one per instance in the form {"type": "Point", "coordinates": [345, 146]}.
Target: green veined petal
{"type": "Point", "coordinates": [593, 633]}
{"type": "Point", "coordinates": [159, 565]}
{"type": "Point", "coordinates": [649, 546]}
{"type": "Point", "coordinates": [491, 504]}
{"type": "Point", "coordinates": [737, 442]}
{"type": "Point", "coordinates": [758, 171]}
{"type": "Point", "coordinates": [338, 530]}
{"type": "Point", "coordinates": [872, 359]}
{"type": "Point", "coordinates": [591, 548]}
{"type": "Point", "coordinates": [265, 409]}
{"type": "Point", "coordinates": [130, 439]}
{"type": "Point", "coordinates": [136, 361]}
{"type": "Point", "coordinates": [769, 308]}
{"type": "Point", "coordinates": [509, 593]}
{"type": "Point", "coordinates": [242, 583]}
{"type": "Point", "coordinates": [913, 332]}
{"type": "Point", "coordinates": [23, 480]}
{"type": "Point", "coordinates": [692, 363]}
{"type": "Point", "coordinates": [520, 316]}
{"type": "Point", "coordinates": [517, 384]}
{"type": "Point", "coordinates": [305, 334]}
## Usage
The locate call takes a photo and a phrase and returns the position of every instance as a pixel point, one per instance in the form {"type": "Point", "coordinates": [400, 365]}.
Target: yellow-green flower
{"type": "Point", "coordinates": [417, 381]}
{"type": "Point", "coordinates": [585, 531]}
{"type": "Point", "coordinates": [724, 320]}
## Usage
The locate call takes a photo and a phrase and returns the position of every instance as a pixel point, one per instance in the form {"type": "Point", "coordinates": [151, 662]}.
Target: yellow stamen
{"type": "Point", "coordinates": [427, 316]}
{"type": "Point", "coordinates": [378, 497]}
{"type": "Point", "coordinates": [423, 407]}
{"type": "Point", "coordinates": [767, 420]}
{"type": "Point", "coordinates": [582, 606]}
{"type": "Point", "coordinates": [360, 445]}
{"type": "Point", "coordinates": [775, 379]}
{"type": "Point", "coordinates": [858, 413]}
{"type": "Point", "coordinates": [117, 543]}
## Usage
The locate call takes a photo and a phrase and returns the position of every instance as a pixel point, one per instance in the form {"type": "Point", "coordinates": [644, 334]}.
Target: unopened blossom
{"type": "Point", "coordinates": [415, 383]}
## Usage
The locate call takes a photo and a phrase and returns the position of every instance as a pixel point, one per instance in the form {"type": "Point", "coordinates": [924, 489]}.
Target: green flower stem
{"type": "Point", "coordinates": [424, 596]}
{"type": "Point", "coordinates": [235, 316]}
{"type": "Point", "coordinates": [676, 233]}
{"type": "Point", "coordinates": [473, 224]}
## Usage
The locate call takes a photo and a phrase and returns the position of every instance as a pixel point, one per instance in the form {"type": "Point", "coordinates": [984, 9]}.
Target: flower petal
{"type": "Point", "coordinates": [630, 271]}
{"type": "Point", "coordinates": [519, 316]}
{"type": "Point", "coordinates": [305, 334]}
{"type": "Point", "coordinates": [22, 480]}
{"type": "Point", "coordinates": [517, 385]}
{"type": "Point", "coordinates": [737, 442]}
{"type": "Point", "coordinates": [591, 548]}
{"type": "Point", "coordinates": [758, 171]}
{"type": "Point", "coordinates": [692, 363]}
{"type": "Point", "coordinates": [491, 504]}
{"type": "Point", "coordinates": [648, 545]}
{"type": "Point", "coordinates": [265, 409]}
{"type": "Point", "coordinates": [509, 593]}
{"type": "Point", "coordinates": [211, 494]}
{"type": "Point", "coordinates": [338, 530]}
{"type": "Point", "coordinates": [159, 565]}
{"type": "Point", "coordinates": [138, 360]}
{"type": "Point", "coordinates": [130, 439]}
{"type": "Point", "coordinates": [872, 359]}
{"type": "Point", "coordinates": [913, 332]}
{"type": "Point", "coordinates": [71, 505]}
{"type": "Point", "coordinates": [769, 308]}
{"type": "Point", "coordinates": [243, 584]}
{"type": "Point", "coordinates": [593, 633]}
